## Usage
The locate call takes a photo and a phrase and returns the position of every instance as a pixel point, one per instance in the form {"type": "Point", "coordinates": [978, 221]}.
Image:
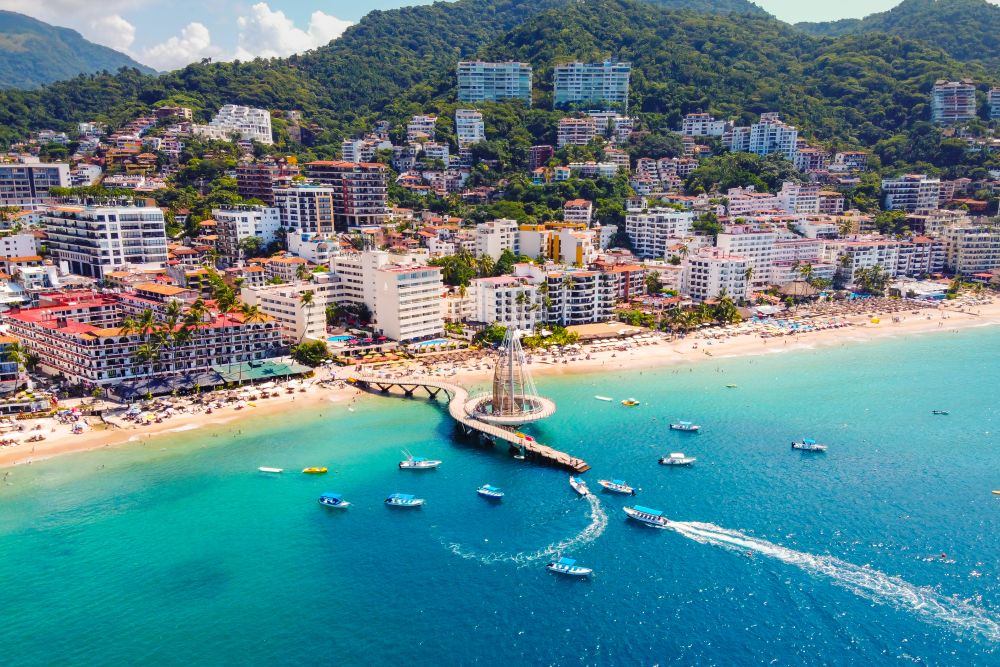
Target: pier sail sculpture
{"type": "Point", "coordinates": [514, 400]}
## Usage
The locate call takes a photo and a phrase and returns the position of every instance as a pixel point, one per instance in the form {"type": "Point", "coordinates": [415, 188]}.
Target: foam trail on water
{"type": "Point", "coordinates": [598, 522]}
{"type": "Point", "coordinates": [876, 586]}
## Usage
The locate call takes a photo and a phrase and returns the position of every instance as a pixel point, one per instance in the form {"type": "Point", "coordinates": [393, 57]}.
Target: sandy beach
{"type": "Point", "coordinates": [646, 351]}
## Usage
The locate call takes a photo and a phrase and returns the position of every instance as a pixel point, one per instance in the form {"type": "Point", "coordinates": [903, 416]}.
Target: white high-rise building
{"type": "Point", "coordinates": [576, 131]}
{"type": "Point", "coordinates": [249, 123]}
{"type": "Point", "coordinates": [480, 81]}
{"type": "Point", "coordinates": [26, 182]}
{"type": "Point", "coordinates": [469, 127]}
{"type": "Point", "coordinates": [592, 85]}
{"type": "Point", "coordinates": [421, 127]}
{"type": "Point", "coordinates": [493, 237]}
{"type": "Point", "coordinates": [994, 101]}
{"type": "Point", "coordinates": [512, 301]}
{"type": "Point", "coordinates": [711, 272]}
{"type": "Point", "coordinates": [771, 135]}
{"type": "Point", "coordinates": [972, 248]}
{"type": "Point", "coordinates": [652, 231]}
{"type": "Point", "coordinates": [756, 246]}
{"type": "Point", "coordinates": [800, 199]}
{"type": "Point", "coordinates": [237, 224]}
{"type": "Point", "coordinates": [94, 240]}
{"type": "Point", "coordinates": [953, 101]}
{"type": "Point", "coordinates": [702, 125]}
{"type": "Point", "coordinates": [912, 192]}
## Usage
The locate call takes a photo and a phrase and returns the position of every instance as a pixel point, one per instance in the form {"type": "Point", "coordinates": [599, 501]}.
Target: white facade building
{"type": "Point", "coordinates": [757, 247]}
{"type": "Point", "coordinates": [26, 182]}
{"type": "Point", "coordinates": [771, 135]}
{"type": "Point", "coordinates": [972, 248]}
{"type": "Point", "coordinates": [711, 272]}
{"type": "Point", "coordinates": [592, 85]}
{"type": "Point", "coordinates": [493, 237]}
{"type": "Point", "coordinates": [249, 123]}
{"type": "Point", "coordinates": [480, 81]}
{"type": "Point", "coordinates": [702, 125]}
{"type": "Point", "coordinates": [421, 127]}
{"type": "Point", "coordinates": [469, 127]}
{"type": "Point", "coordinates": [237, 224]}
{"type": "Point", "coordinates": [508, 300]}
{"type": "Point", "coordinates": [654, 230]}
{"type": "Point", "coordinates": [953, 102]}
{"type": "Point", "coordinates": [913, 192]}
{"type": "Point", "coordinates": [18, 245]}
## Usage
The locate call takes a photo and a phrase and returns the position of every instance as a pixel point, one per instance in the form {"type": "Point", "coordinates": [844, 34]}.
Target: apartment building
{"type": "Point", "coordinates": [702, 125]}
{"type": "Point", "coordinates": [469, 127]}
{"type": "Point", "coordinates": [592, 169]}
{"type": "Point", "coordinates": [243, 222]}
{"type": "Point", "coordinates": [711, 272]}
{"type": "Point", "coordinates": [93, 240]}
{"type": "Point", "coordinates": [539, 156]}
{"type": "Point", "coordinates": [771, 135]}
{"type": "Point", "coordinates": [248, 123]}
{"type": "Point", "coordinates": [850, 161]}
{"type": "Point", "coordinates": [579, 297]}
{"type": "Point", "coordinates": [26, 182]}
{"type": "Point", "coordinates": [747, 201]}
{"type": "Point", "coordinates": [811, 159]}
{"type": "Point", "coordinates": [592, 85]}
{"type": "Point", "coordinates": [408, 302]}
{"type": "Point", "coordinates": [578, 211]}
{"type": "Point", "coordinates": [799, 199]}
{"type": "Point", "coordinates": [306, 208]}
{"type": "Point", "coordinates": [298, 319]}
{"type": "Point", "coordinates": [576, 131]}
{"type": "Point", "coordinates": [360, 191]}
{"type": "Point", "coordinates": [82, 339]}
{"type": "Point", "coordinates": [912, 192]}
{"type": "Point", "coordinates": [653, 230]}
{"type": "Point", "coordinates": [851, 255]}
{"type": "Point", "coordinates": [755, 246]}
{"type": "Point", "coordinates": [921, 255]}
{"type": "Point", "coordinates": [953, 101]}
{"type": "Point", "coordinates": [994, 103]}
{"type": "Point", "coordinates": [259, 180]}
{"type": "Point", "coordinates": [496, 236]}
{"type": "Point", "coordinates": [18, 245]}
{"type": "Point", "coordinates": [971, 248]}
{"type": "Point", "coordinates": [421, 127]}
{"type": "Point", "coordinates": [480, 81]}
{"type": "Point", "coordinates": [511, 301]}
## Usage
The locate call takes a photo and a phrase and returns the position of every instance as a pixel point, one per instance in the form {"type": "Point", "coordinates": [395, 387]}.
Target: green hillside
{"type": "Point", "coordinates": [33, 53]}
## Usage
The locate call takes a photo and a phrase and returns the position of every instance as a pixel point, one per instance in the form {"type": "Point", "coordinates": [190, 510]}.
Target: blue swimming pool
{"type": "Point", "coordinates": [436, 341]}
{"type": "Point", "coordinates": [339, 339]}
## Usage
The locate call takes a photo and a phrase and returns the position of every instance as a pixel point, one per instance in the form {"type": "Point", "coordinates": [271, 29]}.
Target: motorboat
{"type": "Point", "coordinates": [579, 486]}
{"type": "Point", "coordinates": [996, 493]}
{"type": "Point", "coordinates": [808, 445]}
{"type": "Point", "coordinates": [490, 491]}
{"type": "Point", "coordinates": [685, 426]}
{"type": "Point", "coordinates": [645, 515]}
{"type": "Point", "coordinates": [403, 500]}
{"type": "Point", "coordinates": [333, 500]}
{"type": "Point", "coordinates": [630, 402]}
{"type": "Point", "coordinates": [272, 470]}
{"type": "Point", "coordinates": [731, 386]}
{"type": "Point", "coordinates": [939, 412]}
{"type": "Point", "coordinates": [617, 486]}
{"type": "Point", "coordinates": [607, 399]}
{"type": "Point", "coordinates": [417, 463]}
{"type": "Point", "coordinates": [677, 459]}
{"type": "Point", "coordinates": [568, 567]}
{"type": "Point", "coordinates": [314, 471]}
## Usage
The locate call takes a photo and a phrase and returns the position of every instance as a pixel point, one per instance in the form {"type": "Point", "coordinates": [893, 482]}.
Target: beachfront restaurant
{"type": "Point", "coordinates": [237, 373]}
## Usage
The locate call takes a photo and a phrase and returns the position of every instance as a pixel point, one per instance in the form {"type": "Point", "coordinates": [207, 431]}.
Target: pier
{"type": "Point", "coordinates": [459, 406]}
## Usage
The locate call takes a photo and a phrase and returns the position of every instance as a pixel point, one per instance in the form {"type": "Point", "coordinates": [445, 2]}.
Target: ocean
{"type": "Point", "coordinates": [884, 550]}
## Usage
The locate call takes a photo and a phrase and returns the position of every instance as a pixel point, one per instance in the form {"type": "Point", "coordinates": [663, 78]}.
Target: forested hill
{"type": "Point", "coordinates": [33, 53]}
{"type": "Point", "coordinates": [402, 61]}
{"type": "Point", "coordinates": [966, 29]}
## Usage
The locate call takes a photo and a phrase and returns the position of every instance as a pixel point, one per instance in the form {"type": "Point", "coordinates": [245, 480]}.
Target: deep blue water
{"type": "Point", "coordinates": [182, 553]}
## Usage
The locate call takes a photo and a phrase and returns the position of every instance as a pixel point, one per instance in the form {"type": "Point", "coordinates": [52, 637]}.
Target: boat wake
{"type": "Point", "coordinates": [926, 603]}
{"type": "Point", "coordinates": [597, 525]}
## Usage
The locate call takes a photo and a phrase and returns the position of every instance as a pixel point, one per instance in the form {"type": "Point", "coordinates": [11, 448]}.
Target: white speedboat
{"type": "Point", "coordinates": [617, 486]}
{"type": "Point", "coordinates": [271, 470]}
{"type": "Point", "coordinates": [685, 426]}
{"type": "Point", "coordinates": [417, 463]}
{"type": "Point", "coordinates": [579, 486]}
{"type": "Point", "coordinates": [677, 459]}
{"type": "Point", "coordinates": [607, 399]}
{"type": "Point", "coordinates": [568, 567]}
{"type": "Point", "coordinates": [808, 445]}
{"type": "Point", "coordinates": [490, 491]}
{"type": "Point", "coordinates": [329, 499]}
{"type": "Point", "coordinates": [403, 500]}
{"type": "Point", "coordinates": [645, 515]}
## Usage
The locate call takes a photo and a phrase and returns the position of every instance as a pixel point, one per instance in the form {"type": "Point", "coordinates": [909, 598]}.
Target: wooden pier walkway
{"type": "Point", "coordinates": [457, 398]}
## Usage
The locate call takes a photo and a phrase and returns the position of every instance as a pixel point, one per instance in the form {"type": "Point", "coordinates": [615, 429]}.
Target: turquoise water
{"type": "Point", "coordinates": [436, 341]}
{"type": "Point", "coordinates": [340, 339]}
{"type": "Point", "coordinates": [186, 555]}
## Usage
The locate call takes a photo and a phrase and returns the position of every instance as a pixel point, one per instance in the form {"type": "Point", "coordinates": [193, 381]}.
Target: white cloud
{"type": "Point", "coordinates": [194, 43]}
{"type": "Point", "coordinates": [112, 30]}
{"type": "Point", "coordinates": [269, 34]}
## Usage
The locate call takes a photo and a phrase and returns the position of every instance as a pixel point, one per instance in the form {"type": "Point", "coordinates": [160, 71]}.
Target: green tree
{"type": "Point", "coordinates": [311, 353]}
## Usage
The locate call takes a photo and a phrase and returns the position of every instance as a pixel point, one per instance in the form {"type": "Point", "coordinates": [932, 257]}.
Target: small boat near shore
{"type": "Point", "coordinates": [940, 412]}
{"type": "Point", "coordinates": [808, 445]}
{"type": "Point", "coordinates": [996, 493]}
{"type": "Point", "coordinates": [417, 463]}
{"type": "Point", "coordinates": [568, 567]}
{"type": "Point", "coordinates": [630, 402]}
{"type": "Point", "coordinates": [403, 500]}
{"type": "Point", "coordinates": [677, 459]}
{"type": "Point", "coordinates": [330, 499]}
{"type": "Point", "coordinates": [490, 491]}
{"type": "Point", "coordinates": [271, 470]}
{"type": "Point", "coordinates": [314, 471]}
{"type": "Point", "coordinates": [732, 386]}
{"type": "Point", "coordinates": [607, 399]}
{"type": "Point", "coordinates": [617, 486]}
{"type": "Point", "coordinates": [687, 427]}
{"type": "Point", "coordinates": [646, 515]}
{"type": "Point", "coordinates": [579, 486]}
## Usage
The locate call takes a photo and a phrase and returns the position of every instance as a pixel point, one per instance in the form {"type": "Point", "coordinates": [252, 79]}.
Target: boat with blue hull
{"type": "Point", "coordinates": [490, 491]}
{"type": "Point", "coordinates": [336, 500]}
{"type": "Point", "coordinates": [808, 445]}
{"type": "Point", "coordinates": [403, 500]}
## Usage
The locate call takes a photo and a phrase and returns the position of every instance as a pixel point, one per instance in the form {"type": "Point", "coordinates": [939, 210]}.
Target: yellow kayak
{"type": "Point", "coordinates": [314, 471]}
{"type": "Point", "coordinates": [996, 493]}
{"type": "Point", "coordinates": [630, 403]}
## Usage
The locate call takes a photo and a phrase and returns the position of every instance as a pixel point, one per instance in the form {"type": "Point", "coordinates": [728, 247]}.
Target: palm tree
{"type": "Point", "coordinates": [252, 313]}
{"type": "Point", "coordinates": [306, 298]}
{"type": "Point", "coordinates": [146, 322]}
{"type": "Point", "coordinates": [15, 354]}
{"type": "Point", "coordinates": [302, 273]}
{"type": "Point", "coordinates": [806, 270]}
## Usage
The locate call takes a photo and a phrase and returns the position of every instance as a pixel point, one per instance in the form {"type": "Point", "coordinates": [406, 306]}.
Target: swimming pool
{"type": "Point", "coordinates": [339, 339]}
{"type": "Point", "coordinates": [436, 341]}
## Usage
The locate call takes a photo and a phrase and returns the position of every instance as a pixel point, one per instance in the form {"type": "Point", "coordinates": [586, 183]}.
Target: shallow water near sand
{"type": "Point", "coordinates": [177, 551]}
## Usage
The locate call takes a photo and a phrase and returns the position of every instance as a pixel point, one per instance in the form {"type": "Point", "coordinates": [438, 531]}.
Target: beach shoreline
{"type": "Point", "coordinates": [656, 352]}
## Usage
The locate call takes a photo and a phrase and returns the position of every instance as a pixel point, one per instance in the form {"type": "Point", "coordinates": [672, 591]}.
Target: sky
{"type": "Point", "coordinates": [167, 34]}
